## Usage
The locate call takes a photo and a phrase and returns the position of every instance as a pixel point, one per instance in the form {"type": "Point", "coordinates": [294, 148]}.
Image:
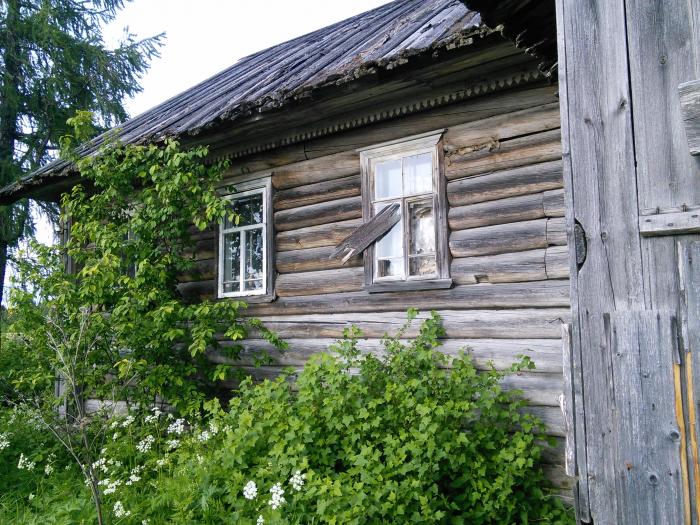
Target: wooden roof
{"type": "Point", "coordinates": [293, 71]}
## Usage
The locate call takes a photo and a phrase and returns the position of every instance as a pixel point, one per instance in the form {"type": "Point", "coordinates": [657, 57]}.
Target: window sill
{"type": "Point", "coordinates": [405, 286]}
{"type": "Point", "coordinates": [250, 299]}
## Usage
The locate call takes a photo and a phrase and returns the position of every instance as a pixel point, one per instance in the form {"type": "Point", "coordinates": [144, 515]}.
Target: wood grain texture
{"type": "Point", "coordinates": [311, 259]}
{"type": "Point", "coordinates": [689, 93]}
{"type": "Point", "coordinates": [322, 169]}
{"type": "Point", "coordinates": [501, 127]}
{"type": "Point", "coordinates": [526, 323]}
{"type": "Point", "coordinates": [329, 234]}
{"type": "Point", "coordinates": [670, 223]}
{"type": "Point", "coordinates": [502, 238]}
{"type": "Point", "coordinates": [321, 213]}
{"type": "Point", "coordinates": [511, 209]}
{"type": "Point", "coordinates": [507, 183]}
{"type": "Point", "coordinates": [502, 268]}
{"type": "Point", "coordinates": [540, 294]}
{"type": "Point", "coordinates": [521, 151]}
{"type": "Point", "coordinates": [320, 282]}
{"type": "Point", "coordinates": [318, 192]}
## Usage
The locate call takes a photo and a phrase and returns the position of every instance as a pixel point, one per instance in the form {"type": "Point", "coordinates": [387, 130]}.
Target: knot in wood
{"type": "Point", "coordinates": [653, 479]}
{"type": "Point", "coordinates": [674, 434]}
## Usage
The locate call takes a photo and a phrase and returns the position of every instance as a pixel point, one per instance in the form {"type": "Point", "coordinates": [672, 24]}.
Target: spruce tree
{"type": "Point", "coordinates": [53, 62]}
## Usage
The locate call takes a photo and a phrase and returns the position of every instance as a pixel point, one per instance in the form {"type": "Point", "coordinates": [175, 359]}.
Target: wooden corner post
{"type": "Point", "coordinates": [633, 338]}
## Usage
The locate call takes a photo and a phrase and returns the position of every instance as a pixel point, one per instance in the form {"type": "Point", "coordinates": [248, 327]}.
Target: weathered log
{"type": "Point", "coordinates": [320, 282]}
{"type": "Point", "coordinates": [502, 268]}
{"type": "Point", "coordinates": [501, 353]}
{"type": "Point", "coordinates": [508, 183]}
{"type": "Point", "coordinates": [325, 168]}
{"type": "Point", "coordinates": [542, 389]}
{"type": "Point", "coordinates": [521, 151]}
{"type": "Point", "coordinates": [556, 232]}
{"type": "Point", "coordinates": [511, 209]}
{"type": "Point", "coordinates": [556, 262]}
{"type": "Point", "coordinates": [315, 236]}
{"type": "Point", "coordinates": [554, 203]}
{"type": "Point", "coordinates": [540, 323]}
{"type": "Point", "coordinates": [317, 192]}
{"type": "Point", "coordinates": [501, 127]}
{"type": "Point", "coordinates": [538, 294]}
{"type": "Point", "coordinates": [502, 238]}
{"type": "Point", "coordinates": [311, 259]}
{"type": "Point", "coordinates": [321, 213]}
{"type": "Point", "coordinates": [552, 418]}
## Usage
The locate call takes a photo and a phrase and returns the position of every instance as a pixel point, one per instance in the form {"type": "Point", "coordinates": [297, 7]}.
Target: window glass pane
{"type": "Point", "coordinates": [387, 179]}
{"type": "Point", "coordinates": [390, 267]}
{"type": "Point", "coordinates": [254, 251]}
{"type": "Point", "coordinates": [421, 227]}
{"type": "Point", "coordinates": [422, 265]}
{"type": "Point", "coordinates": [391, 245]}
{"type": "Point", "coordinates": [418, 174]}
{"type": "Point", "coordinates": [250, 209]}
{"type": "Point", "coordinates": [232, 262]}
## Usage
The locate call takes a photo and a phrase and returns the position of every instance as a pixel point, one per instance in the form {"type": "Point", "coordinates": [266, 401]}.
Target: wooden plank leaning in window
{"type": "Point", "coordinates": [368, 233]}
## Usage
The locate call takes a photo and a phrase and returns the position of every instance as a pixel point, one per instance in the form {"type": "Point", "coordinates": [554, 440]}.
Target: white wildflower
{"type": "Point", "coordinates": [145, 444]}
{"type": "Point", "coordinates": [213, 428]}
{"type": "Point", "coordinates": [250, 491]}
{"type": "Point", "coordinates": [200, 459]}
{"type": "Point", "coordinates": [297, 480]}
{"type": "Point", "coordinates": [162, 462]}
{"type": "Point", "coordinates": [25, 464]}
{"type": "Point", "coordinates": [172, 443]}
{"type": "Point", "coordinates": [114, 424]}
{"type": "Point", "coordinates": [204, 436]}
{"type": "Point", "coordinates": [145, 522]}
{"type": "Point", "coordinates": [277, 499]}
{"type": "Point", "coordinates": [100, 464]}
{"type": "Point", "coordinates": [260, 521]}
{"type": "Point", "coordinates": [177, 427]}
{"type": "Point", "coordinates": [30, 497]}
{"type": "Point", "coordinates": [150, 419]}
{"type": "Point", "coordinates": [119, 511]}
{"type": "Point", "coordinates": [134, 477]}
{"type": "Point", "coordinates": [115, 436]}
{"type": "Point", "coordinates": [110, 486]}
{"type": "Point", "coordinates": [4, 441]}
{"type": "Point", "coordinates": [128, 420]}
{"type": "Point", "coordinates": [48, 469]}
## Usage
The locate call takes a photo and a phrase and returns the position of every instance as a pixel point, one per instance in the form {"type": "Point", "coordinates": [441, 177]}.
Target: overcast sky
{"type": "Point", "coordinates": [205, 36]}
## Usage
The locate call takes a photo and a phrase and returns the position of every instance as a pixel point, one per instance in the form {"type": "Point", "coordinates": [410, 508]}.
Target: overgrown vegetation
{"type": "Point", "coordinates": [354, 439]}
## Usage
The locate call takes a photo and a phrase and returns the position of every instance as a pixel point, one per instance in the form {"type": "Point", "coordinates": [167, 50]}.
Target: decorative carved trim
{"type": "Point", "coordinates": [493, 85]}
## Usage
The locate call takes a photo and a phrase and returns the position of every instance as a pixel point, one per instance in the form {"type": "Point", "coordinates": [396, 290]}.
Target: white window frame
{"type": "Point", "coordinates": [430, 142]}
{"type": "Point", "coordinates": [263, 187]}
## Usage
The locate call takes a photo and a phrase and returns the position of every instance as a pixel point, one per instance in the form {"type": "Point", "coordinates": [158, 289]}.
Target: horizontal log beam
{"type": "Point", "coordinates": [320, 282]}
{"type": "Point", "coordinates": [312, 259]}
{"type": "Point", "coordinates": [542, 323]}
{"type": "Point", "coordinates": [507, 183]}
{"type": "Point", "coordinates": [321, 213]}
{"type": "Point", "coordinates": [316, 236]}
{"type": "Point", "coordinates": [507, 238]}
{"type": "Point", "coordinates": [325, 168]}
{"type": "Point", "coordinates": [495, 156]}
{"type": "Point", "coordinates": [318, 192]}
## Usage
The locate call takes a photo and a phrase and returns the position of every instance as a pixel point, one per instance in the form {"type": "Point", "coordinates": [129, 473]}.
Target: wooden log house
{"type": "Point", "coordinates": [431, 139]}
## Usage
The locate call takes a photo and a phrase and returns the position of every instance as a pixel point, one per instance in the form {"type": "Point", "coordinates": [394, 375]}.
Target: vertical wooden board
{"type": "Point", "coordinates": [567, 402]}
{"type": "Point", "coordinates": [689, 269]}
{"type": "Point", "coordinates": [663, 53]}
{"type": "Point", "coordinates": [601, 188]}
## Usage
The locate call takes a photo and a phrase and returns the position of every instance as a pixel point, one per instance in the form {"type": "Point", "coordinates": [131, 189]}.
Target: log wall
{"type": "Point", "coordinates": [506, 237]}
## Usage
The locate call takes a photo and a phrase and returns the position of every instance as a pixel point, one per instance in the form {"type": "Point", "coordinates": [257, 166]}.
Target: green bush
{"type": "Point", "coordinates": [392, 439]}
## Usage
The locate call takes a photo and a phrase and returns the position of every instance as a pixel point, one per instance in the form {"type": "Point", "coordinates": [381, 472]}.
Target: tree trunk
{"type": "Point", "coordinates": [3, 265]}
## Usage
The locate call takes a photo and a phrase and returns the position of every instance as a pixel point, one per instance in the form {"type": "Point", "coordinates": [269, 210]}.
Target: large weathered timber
{"type": "Point", "coordinates": [311, 259]}
{"type": "Point", "coordinates": [540, 147]}
{"type": "Point", "coordinates": [539, 323]}
{"type": "Point", "coordinates": [321, 213]}
{"type": "Point", "coordinates": [690, 110]}
{"type": "Point", "coordinates": [511, 209]}
{"type": "Point", "coordinates": [501, 268]}
{"type": "Point", "coordinates": [507, 183]}
{"type": "Point", "coordinates": [329, 234]}
{"type": "Point", "coordinates": [328, 190]}
{"type": "Point", "coordinates": [506, 238]}
{"type": "Point", "coordinates": [320, 282]}
{"type": "Point", "coordinates": [330, 167]}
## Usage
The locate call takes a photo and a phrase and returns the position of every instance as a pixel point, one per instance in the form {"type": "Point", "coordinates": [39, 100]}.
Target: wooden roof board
{"type": "Point", "coordinates": [269, 79]}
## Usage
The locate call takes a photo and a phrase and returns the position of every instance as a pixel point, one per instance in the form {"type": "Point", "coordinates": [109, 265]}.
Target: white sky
{"type": "Point", "coordinates": [204, 37]}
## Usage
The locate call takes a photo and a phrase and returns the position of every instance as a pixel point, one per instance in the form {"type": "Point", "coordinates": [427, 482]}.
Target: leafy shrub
{"type": "Point", "coordinates": [392, 439]}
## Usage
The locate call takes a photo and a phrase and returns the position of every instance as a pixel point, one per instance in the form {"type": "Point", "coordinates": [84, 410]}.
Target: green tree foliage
{"type": "Point", "coordinates": [53, 61]}
{"type": "Point", "coordinates": [121, 309]}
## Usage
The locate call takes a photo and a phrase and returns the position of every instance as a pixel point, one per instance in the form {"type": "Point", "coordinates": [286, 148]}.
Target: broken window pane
{"type": "Point", "coordinates": [254, 259]}
{"type": "Point", "coordinates": [421, 227]}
